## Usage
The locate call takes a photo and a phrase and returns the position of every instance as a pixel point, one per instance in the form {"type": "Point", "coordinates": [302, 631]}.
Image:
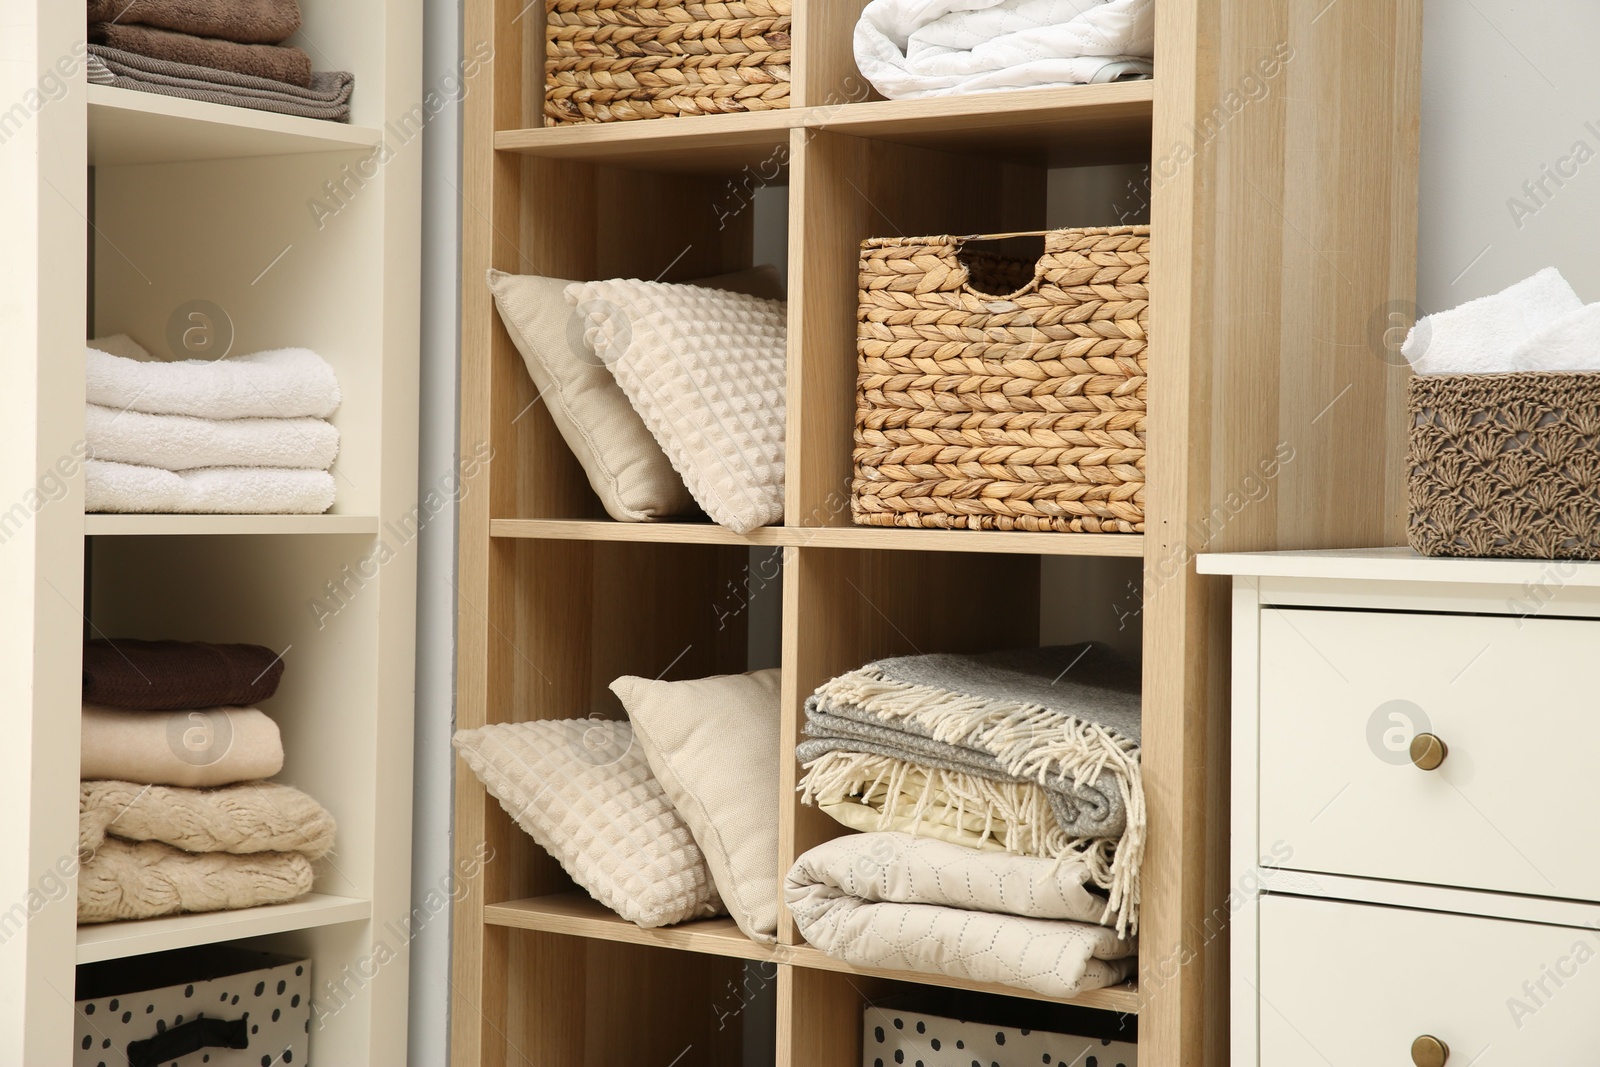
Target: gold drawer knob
{"type": "Point", "coordinates": [1429, 1051]}
{"type": "Point", "coordinates": [1427, 752]}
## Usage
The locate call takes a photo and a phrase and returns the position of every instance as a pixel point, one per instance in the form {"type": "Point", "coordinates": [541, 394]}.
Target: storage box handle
{"type": "Point", "coordinates": [1057, 241]}
{"type": "Point", "coordinates": [193, 1036]}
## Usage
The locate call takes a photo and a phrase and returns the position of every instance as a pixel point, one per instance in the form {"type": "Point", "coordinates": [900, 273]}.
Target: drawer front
{"type": "Point", "coordinates": [1353, 985]}
{"type": "Point", "coordinates": [1516, 703]}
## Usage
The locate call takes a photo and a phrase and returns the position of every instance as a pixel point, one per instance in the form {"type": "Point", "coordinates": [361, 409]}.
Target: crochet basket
{"type": "Point", "coordinates": [617, 60]}
{"type": "Point", "coordinates": [1003, 394]}
{"type": "Point", "coordinates": [1505, 465]}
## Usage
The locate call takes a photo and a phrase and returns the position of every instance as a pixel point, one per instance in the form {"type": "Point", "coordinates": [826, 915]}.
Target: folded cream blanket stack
{"type": "Point", "coordinates": [174, 812]}
{"type": "Point", "coordinates": [245, 435]}
{"type": "Point", "coordinates": [1002, 805]}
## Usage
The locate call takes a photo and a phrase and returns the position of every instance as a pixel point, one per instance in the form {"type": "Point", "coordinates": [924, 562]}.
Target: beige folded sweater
{"type": "Point", "coordinates": [188, 748]}
{"type": "Point", "coordinates": [246, 818]}
{"type": "Point", "coordinates": [144, 879]}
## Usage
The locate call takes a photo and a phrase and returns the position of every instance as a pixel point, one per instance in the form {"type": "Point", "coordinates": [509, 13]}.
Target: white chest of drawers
{"type": "Point", "coordinates": [1415, 855]}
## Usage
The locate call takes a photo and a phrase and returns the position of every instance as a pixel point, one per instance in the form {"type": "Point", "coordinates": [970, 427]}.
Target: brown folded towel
{"type": "Point", "coordinates": [244, 21]}
{"type": "Point", "coordinates": [177, 675]}
{"type": "Point", "coordinates": [277, 62]}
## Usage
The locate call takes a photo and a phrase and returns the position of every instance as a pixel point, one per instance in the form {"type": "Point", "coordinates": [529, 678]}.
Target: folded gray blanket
{"type": "Point", "coordinates": [327, 98]}
{"type": "Point", "coordinates": [1064, 719]}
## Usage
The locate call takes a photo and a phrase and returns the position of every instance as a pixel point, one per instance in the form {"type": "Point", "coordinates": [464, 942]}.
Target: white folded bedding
{"type": "Point", "coordinates": [285, 383]}
{"type": "Point", "coordinates": [126, 487]}
{"type": "Point", "coordinates": [919, 904]}
{"type": "Point", "coordinates": [911, 48]}
{"type": "Point", "coordinates": [184, 442]}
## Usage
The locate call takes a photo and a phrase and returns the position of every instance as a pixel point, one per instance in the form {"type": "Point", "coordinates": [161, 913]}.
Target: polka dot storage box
{"type": "Point", "coordinates": [941, 1028]}
{"type": "Point", "coordinates": [220, 1007]}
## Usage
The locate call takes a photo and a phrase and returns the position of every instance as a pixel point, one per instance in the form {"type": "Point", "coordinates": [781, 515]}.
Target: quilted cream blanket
{"type": "Point", "coordinates": [911, 48]}
{"type": "Point", "coordinates": [918, 904]}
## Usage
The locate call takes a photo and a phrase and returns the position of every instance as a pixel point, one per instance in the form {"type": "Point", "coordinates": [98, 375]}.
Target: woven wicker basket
{"type": "Point", "coordinates": [618, 60]}
{"type": "Point", "coordinates": [1003, 394]}
{"type": "Point", "coordinates": [1506, 465]}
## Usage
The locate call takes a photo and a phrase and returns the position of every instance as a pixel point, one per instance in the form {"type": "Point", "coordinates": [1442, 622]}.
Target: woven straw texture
{"type": "Point", "coordinates": [619, 60]}
{"type": "Point", "coordinates": [998, 394]}
{"type": "Point", "coordinates": [1506, 465]}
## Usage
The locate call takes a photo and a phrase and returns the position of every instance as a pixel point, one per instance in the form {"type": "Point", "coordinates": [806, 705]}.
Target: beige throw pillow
{"type": "Point", "coordinates": [582, 789]}
{"type": "Point", "coordinates": [705, 369]}
{"type": "Point", "coordinates": [625, 466]}
{"type": "Point", "coordinates": [713, 744]}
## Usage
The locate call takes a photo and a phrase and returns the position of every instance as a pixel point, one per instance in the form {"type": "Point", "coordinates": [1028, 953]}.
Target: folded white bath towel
{"type": "Point", "coordinates": [1481, 336]}
{"type": "Point", "coordinates": [284, 383]}
{"type": "Point", "coordinates": [120, 344]}
{"type": "Point", "coordinates": [912, 48]}
{"type": "Point", "coordinates": [1571, 343]}
{"type": "Point", "coordinates": [125, 487]}
{"type": "Point", "coordinates": [183, 442]}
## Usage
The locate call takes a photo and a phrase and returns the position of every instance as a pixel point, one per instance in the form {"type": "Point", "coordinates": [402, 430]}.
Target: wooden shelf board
{"type": "Point", "coordinates": [1072, 125]}
{"type": "Point", "coordinates": [1078, 124]}
{"type": "Point", "coordinates": [579, 915]}
{"type": "Point", "coordinates": [859, 537]}
{"type": "Point", "coordinates": [685, 533]}
{"type": "Point", "coordinates": [128, 126]}
{"type": "Point", "coordinates": [1007, 541]}
{"type": "Point", "coordinates": [178, 525]}
{"type": "Point", "coordinates": [109, 941]}
{"type": "Point", "coordinates": [700, 144]}
{"type": "Point", "coordinates": [1123, 998]}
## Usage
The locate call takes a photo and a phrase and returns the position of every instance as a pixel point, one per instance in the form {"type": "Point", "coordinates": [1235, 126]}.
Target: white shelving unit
{"type": "Point", "coordinates": [122, 208]}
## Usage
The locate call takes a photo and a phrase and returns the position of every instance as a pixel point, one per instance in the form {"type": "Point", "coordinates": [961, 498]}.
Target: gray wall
{"type": "Point", "coordinates": [431, 826]}
{"type": "Point", "coordinates": [1509, 87]}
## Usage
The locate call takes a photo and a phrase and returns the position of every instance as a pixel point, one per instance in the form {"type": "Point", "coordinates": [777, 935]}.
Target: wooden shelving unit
{"type": "Point", "coordinates": [1283, 214]}
{"type": "Point", "coordinates": [126, 207]}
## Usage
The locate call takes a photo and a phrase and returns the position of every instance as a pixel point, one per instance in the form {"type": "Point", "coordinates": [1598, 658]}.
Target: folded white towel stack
{"type": "Point", "coordinates": [1487, 335]}
{"type": "Point", "coordinates": [247, 435]}
{"type": "Point", "coordinates": [913, 48]}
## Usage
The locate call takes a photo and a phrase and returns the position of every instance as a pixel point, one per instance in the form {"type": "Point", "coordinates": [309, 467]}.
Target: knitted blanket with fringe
{"type": "Point", "coordinates": [1043, 742]}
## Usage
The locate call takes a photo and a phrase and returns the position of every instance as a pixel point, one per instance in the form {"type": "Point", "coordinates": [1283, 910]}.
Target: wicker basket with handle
{"type": "Point", "coordinates": [619, 60]}
{"type": "Point", "coordinates": [1003, 394]}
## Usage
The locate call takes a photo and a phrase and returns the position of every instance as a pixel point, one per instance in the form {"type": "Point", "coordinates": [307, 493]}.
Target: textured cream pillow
{"type": "Point", "coordinates": [584, 791]}
{"type": "Point", "coordinates": [625, 466]}
{"type": "Point", "coordinates": [713, 744]}
{"type": "Point", "coordinates": [704, 368]}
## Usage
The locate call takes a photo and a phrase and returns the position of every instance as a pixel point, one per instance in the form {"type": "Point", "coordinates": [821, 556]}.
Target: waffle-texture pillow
{"type": "Point", "coordinates": [705, 370]}
{"type": "Point", "coordinates": [583, 790]}
{"type": "Point", "coordinates": [713, 743]}
{"type": "Point", "coordinates": [626, 468]}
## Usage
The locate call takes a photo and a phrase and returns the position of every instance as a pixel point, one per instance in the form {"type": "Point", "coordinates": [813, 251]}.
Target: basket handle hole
{"type": "Point", "coordinates": [1001, 267]}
